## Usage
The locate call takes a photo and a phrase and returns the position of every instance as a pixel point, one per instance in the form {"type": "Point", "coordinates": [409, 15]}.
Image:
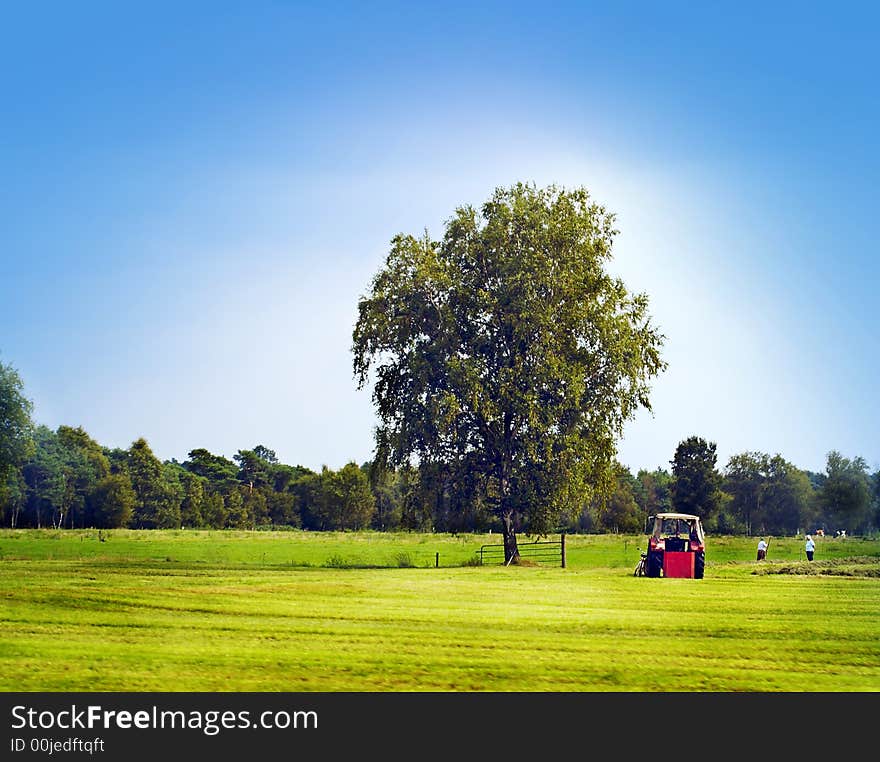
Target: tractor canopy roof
{"type": "Point", "coordinates": [676, 516]}
{"type": "Point", "coordinates": [675, 524]}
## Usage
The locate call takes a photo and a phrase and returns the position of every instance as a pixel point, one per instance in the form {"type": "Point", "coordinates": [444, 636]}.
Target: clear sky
{"type": "Point", "coordinates": [195, 195]}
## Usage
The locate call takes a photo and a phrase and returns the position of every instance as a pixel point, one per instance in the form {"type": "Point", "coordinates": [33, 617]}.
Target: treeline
{"type": "Point", "coordinates": [753, 493]}
{"type": "Point", "coordinates": [69, 480]}
{"type": "Point", "coordinates": [65, 479]}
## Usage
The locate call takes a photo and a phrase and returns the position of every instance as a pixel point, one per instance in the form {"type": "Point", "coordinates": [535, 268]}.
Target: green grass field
{"type": "Point", "coordinates": [300, 611]}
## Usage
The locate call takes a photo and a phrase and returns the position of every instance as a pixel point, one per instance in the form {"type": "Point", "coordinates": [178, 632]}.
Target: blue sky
{"type": "Point", "coordinates": [195, 195]}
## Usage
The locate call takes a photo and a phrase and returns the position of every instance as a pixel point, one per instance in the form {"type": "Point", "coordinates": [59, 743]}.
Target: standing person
{"type": "Point", "coordinates": [810, 546]}
{"type": "Point", "coordinates": [762, 549]}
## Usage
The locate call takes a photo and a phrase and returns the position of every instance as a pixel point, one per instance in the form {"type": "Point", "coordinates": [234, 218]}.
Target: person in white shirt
{"type": "Point", "coordinates": [810, 546]}
{"type": "Point", "coordinates": [762, 549]}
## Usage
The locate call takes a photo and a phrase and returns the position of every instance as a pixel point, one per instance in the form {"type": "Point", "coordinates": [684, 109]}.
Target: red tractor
{"type": "Point", "coordinates": [676, 546]}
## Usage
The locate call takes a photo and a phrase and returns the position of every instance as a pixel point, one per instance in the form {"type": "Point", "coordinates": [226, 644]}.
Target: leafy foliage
{"type": "Point", "coordinates": [506, 353]}
{"type": "Point", "coordinates": [696, 486]}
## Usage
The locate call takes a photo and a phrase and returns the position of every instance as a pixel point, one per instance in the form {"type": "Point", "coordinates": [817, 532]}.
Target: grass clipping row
{"type": "Point", "coordinates": [858, 566]}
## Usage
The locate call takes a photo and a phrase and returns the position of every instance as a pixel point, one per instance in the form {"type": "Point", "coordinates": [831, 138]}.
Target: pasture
{"type": "Point", "coordinates": [129, 610]}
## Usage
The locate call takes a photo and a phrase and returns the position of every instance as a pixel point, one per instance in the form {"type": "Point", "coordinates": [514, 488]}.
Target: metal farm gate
{"type": "Point", "coordinates": [540, 551]}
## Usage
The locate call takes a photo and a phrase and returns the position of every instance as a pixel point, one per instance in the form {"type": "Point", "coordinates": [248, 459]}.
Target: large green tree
{"type": "Point", "coordinates": [506, 350]}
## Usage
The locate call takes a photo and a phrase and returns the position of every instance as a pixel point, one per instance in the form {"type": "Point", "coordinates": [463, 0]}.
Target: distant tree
{"type": "Point", "coordinates": [221, 473]}
{"type": "Point", "coordinates": [388, 493]}
{"type": "Point", "coordinates": [744, 480]}
{"type": "Point", "coordinates": [696, 485]}
{"type": "Point", "coordinates": [652, 491]}
{"type": "Point", "coordinates": [253, 471]}
{"type": "Point", "coordinates": [789, 500]}
{"type": "Point", "coordinates": [13, 497]}
{"type": "Point", "coordinates": [309, 496]}
{"type": "Point", "coordinates": [768, 495]}
{"type": "Point", "coordinates": [78, 481]}
{"type": "Point", "coordinates": [257, 506]}
{"type": "Point", "coordinates": [266, 455]}
{"type": "Point", "coordinates": [845, 495]}
{"type": "Point", "coordinates": [85, 464]}
{"type": "Point", "coordinates": [583, 519]}
{"type": "Point", "coordinates": [111, 502]}
{"type": "Point", "coordinates": [347, 498]}
{"type": "Point", "coordinates": [157, 496]}
{"type": "Point", "coordinates": [193, 499]}
{"type": "Point", "coordinates": [117, 458]}
{"type": "Point", "coordinates": [336, 500]}
{"type": "Point", "coordinates": [619, 512]}
{"type": "Point", "coordinates": [283, 508]}
{"type": "Point", "coordinates": [214, 510]}
{"type": "Point", "coordinates": [237, 516]}
{"type": "Point", "coordinates": [284, 477]}
{"type": "Point", "coordinates": [78, 439]}
{"type": "Point", "coordinates": [44, 477]}
{"type": "Point", "coordinates": [418, 498]}
{"type": "Point", "coordinates": [16, 426]}
{"type": "Point", "coordinates": [507, 351]}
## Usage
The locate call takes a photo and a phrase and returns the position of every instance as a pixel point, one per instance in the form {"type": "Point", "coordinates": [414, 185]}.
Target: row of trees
{"type": "Point", "coordinates": [754, 493]}
{"type": "Point", "coordinates": [65, 479]}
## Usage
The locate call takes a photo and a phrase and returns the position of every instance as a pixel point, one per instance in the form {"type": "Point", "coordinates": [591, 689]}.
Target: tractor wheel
{"type": "Point", "coordinates": [699, 564]}
{"type": "Point", "coordinates": [655, 564]}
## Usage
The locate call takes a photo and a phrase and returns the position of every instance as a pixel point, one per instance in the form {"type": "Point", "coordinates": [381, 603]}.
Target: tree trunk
{"type": "Point", "coordinates": [511, 551]}
{"type": "Point", "coordinates": [508, 527]}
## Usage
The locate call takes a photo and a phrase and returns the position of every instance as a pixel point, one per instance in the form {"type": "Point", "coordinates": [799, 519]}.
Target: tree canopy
{"type": "Point", "coordinates": [506, 353]}
{"type": "Point", "coordinates": [696, 485]}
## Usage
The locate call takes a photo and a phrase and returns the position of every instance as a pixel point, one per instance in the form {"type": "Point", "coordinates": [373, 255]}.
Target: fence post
{"type": "Point", "coordinates": [562, 540]}
{"type": "Point", "coordinates": [437, 561]}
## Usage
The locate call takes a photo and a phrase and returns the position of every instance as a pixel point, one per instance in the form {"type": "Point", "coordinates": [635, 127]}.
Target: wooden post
{"type": "Point", "coordinates": [562, 539]}
{"type": "Point", "coordinates": [437, 561]}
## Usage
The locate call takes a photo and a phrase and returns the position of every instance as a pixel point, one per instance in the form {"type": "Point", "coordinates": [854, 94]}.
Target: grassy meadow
{"type": "Point", "coordinates": [129, 610]}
